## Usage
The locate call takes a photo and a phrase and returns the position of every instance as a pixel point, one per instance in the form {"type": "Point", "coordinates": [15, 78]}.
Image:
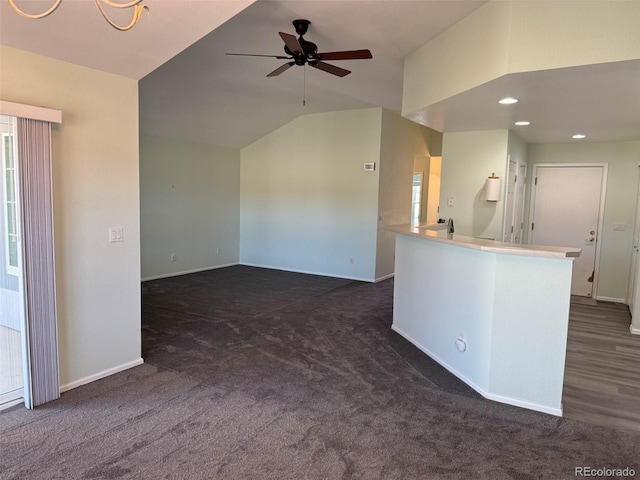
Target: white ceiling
{"type": "Point", "coordinates": [203, 95]}
{"type": "Point", "coordinates": [77, 33]}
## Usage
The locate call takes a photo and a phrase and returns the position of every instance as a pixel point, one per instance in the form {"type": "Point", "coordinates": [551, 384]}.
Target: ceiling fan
{"type": "Point", "coordinates": [302, 52]}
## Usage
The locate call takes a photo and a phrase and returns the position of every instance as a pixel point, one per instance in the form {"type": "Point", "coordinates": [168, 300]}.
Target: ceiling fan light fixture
{"type": "Point", "coordinates": [508, 101]}
{"type": "Point", "coordinates": [578, 136]}
{"type": "Point", "coordinates": [522, 123]}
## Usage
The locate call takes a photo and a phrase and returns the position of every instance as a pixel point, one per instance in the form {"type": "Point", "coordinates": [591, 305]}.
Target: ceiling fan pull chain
{"type": "Point", "coordinates": [304, 86]}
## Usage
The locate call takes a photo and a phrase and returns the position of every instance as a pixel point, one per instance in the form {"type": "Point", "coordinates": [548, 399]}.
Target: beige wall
{"type": "Point", "coordinates": [468, 159]}
{"type": "Point", "coordinates": [402, 141]}
{"type": "Point", "coordinates": [189, 206]}
{"type": "Point", "coordinates": [620, 203]}
{"type": "Point", "coordinates": [504, 37]}
{"type": "Point", "coordinates": [558, 34]}
{"type": "Point", "coordinates": [306, 203]}
{"type": "Point", "coordinates": [469, 53]}
{"type": "Point", "coordinates": [95, 187]}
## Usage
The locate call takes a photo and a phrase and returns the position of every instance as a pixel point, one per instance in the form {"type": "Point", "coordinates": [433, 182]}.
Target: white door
{"type": "Point", "coordinates": [510, 202]}
{"type": "Point", "coordinates": [518, 213]}
{"type": "Point", "coordinates": [565, 211]}
{"type": "Point", "coordinates": [514, 207]}
{"type": "Point", "coordinates": [634, 280]}
{"type": "Point", "coordinates": [12, 331]}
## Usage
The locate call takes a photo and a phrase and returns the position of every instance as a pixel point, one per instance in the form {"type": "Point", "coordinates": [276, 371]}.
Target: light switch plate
{"type": "Point", "coordinates": [370, 167]}
{"type": "Point", "coordinates": [619, 227]}
{"type": "Point", "coordinates": [115, 235]}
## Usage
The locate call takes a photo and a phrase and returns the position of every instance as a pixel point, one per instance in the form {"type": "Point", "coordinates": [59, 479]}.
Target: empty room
{"type": "Point", "coordinates": [286, 239]}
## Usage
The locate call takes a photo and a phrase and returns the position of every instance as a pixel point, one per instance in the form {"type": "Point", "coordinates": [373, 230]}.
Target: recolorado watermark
{"type": "Point", "coordinates": [598, 472]}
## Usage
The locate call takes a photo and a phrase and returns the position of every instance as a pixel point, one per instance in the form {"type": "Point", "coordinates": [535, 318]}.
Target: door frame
{"type": "Point", "coordinates": [518, 201]}
{"type": "Point", "coordinates": [633, 293]}
{"type": "Point", "coordinates": [603, 196]}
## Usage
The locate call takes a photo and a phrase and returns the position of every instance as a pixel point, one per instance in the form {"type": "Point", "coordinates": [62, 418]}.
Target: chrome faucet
{"type": "Point", "coordinates": [450, 225]}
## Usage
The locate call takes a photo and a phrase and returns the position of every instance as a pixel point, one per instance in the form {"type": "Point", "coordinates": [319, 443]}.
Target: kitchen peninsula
{"type": "Point", "coordinates": [494, 314]}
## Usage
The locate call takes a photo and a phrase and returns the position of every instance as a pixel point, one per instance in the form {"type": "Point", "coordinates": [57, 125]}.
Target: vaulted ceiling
{"type": "Point", "coordinates": [189, 88]}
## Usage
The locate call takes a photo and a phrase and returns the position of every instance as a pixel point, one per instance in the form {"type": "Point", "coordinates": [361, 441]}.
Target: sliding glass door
{"type": "Point", "coordinates": [12, 334]}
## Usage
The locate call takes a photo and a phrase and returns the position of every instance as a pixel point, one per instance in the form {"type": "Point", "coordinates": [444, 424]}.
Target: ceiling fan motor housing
{"type": "Point", "coordinates": [308, 48]}
{"type": "Point", "coordinates": [301, 26]}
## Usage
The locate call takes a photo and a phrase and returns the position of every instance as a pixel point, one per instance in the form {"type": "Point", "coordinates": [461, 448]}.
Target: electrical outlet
{"type": "Point", "coordinates": [173, 257]}
{"type": "Point", "coordinates": [351, 260]}
{"type": "Point", "coordinates": [451, 201]}
{"type": "Point", "coordinates": [218, 250]}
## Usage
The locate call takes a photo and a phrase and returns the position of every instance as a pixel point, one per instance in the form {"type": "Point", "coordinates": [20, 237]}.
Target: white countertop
{"type": "Point", "coordinates": [493, 246]}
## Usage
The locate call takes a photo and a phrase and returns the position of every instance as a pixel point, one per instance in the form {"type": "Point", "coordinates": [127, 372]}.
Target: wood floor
{"type": "Point", "coordinates": [602, 372]}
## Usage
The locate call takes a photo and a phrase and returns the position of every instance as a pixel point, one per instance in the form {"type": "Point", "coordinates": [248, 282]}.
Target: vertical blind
{"type": "Point", "coordinates": [36, 208]}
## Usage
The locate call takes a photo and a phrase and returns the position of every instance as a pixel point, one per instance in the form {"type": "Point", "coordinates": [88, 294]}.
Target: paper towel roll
{"type": "Point", "coordinates": [492, 189]}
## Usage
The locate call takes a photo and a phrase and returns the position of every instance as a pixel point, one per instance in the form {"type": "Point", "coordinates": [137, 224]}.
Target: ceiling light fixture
{"type": "Point", "coordinates": [523, 123]}
{"type": "Point", "coordinates": [135, 4]}
{"type": "Point", "coordinates": [579, 136]}
{"type": "Point", "coordinates": [508, 101]}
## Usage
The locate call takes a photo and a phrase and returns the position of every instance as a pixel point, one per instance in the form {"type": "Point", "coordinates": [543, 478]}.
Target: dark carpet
{"type": "Point", "coordinates": [263, 374]}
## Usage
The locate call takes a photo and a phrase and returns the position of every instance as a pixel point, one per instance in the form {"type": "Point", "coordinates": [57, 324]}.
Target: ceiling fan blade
{"type": "Point", "coordinates": [280, 69]}
{"type": "Point", "coordinates": [282, 57]}
{"type": "Point", "coordinates": [291, 42]}
{"type": "Point", "coordinates": [340, 72]}
{"type": "Point", "coordinates": [345, 55]}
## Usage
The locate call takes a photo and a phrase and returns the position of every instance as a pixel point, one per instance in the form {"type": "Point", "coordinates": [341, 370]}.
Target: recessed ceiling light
{"type": "Point", "coordinates": [508, 101]}
{"type": "Point", "coordinates": [578, 136]}
{"type": "Point", "coordinates": [523, 123]}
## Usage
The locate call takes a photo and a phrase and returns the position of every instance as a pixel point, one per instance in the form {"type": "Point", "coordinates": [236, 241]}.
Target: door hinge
{"type": "Point", "coordinates": [511, 228]}
{"type": "Point", "coordinates": [515, 180]}
{"type": "Point", "coordinates": [536, 181]}
{"type": "Point", "coordinates": [531, 225]}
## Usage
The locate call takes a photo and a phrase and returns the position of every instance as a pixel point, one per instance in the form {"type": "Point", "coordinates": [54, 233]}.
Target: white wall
{"type": "Point", "coordinates": [503, 37]}
{"type": "Point", "coordinates": [402, 141]}
{"type": "Point", "coordinates": [511, 310]}
{"type": "Point", "coordinates": [189, 206]}
{"type": "Point", "coordinates": [468, 159]}
{"type": "Point", "coordinates": [306, 202]}
{"type": "Point", "coordinates": [620, 203]}
{"type": "Point", "coordinates": [95, 187]}
{"type": "Point", "coordinates": [469, 53]}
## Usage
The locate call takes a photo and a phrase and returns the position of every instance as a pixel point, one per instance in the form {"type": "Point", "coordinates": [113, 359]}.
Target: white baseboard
{"type": "Point", "coordinates": [187, 272]}
{"type": "Point", "coordinates": [308, 272]}
{"type": "Point", "coordinates": [99, 375]}
{"type": "Point", "coordinates": [635, 331]}
{"type": "Point", "coordinates": [490, 396]}
{"type": "Point", "coordinates": [519, 403]}
{"type": "Point", "coordinates": [610, 299]}
{"type": "Point", "coordinates": [384, 277]}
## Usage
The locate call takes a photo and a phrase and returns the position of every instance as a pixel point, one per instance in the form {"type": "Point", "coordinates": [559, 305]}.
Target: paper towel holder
{"type": "Point", "coordinates": [492, 188]}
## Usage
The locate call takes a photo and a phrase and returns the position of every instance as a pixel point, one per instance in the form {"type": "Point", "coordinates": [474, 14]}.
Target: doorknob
{"type": "Point", "coordinates": [592, 232]}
